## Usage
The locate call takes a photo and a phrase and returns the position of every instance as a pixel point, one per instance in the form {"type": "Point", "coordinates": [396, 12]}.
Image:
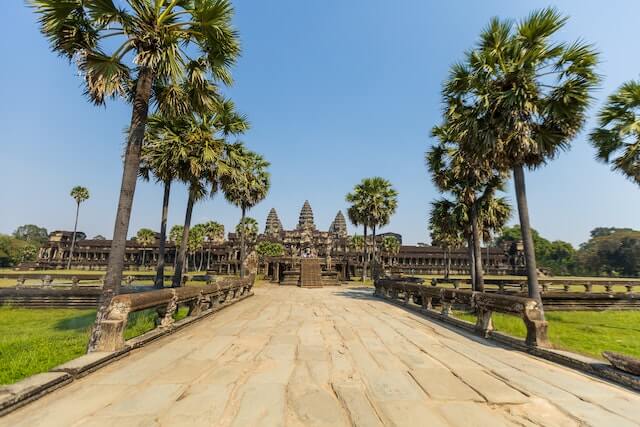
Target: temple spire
{"type": "Point", "coordinates": [273, 225]}
{"type": "Point", "coordinates": [305, 220]}
{"type": "Point", "coordinates": [339, 225]}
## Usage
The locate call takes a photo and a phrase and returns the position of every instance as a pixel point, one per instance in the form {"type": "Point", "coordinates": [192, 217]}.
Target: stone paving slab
{"type": "Point", "coordinates": [329, 357]}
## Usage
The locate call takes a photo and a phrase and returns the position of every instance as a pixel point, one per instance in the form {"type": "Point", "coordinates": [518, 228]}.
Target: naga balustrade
{"type": "Point", "coordinates": [199, 300]}
{"type": "Point", "coordinates": [484, 304]}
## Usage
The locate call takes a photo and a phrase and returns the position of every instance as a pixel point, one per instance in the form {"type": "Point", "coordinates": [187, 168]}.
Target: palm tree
{"type": "Point", "coordinates": [146, 237]}
{"type": "Point", "coordinates": [247, 229]}
{"type": "Point", "coordinates": [356, 214]}
{"type": "Point", "coordinates": [533, 95]}
{"type": "Point", "coordinates": [214, 232]}
{"type": "Point", "coordinates": [447, 229]}
{"type": "Point", "coordinates": [149, 40]}
{"type": "Point", "coordinates": [247, 186]}
{"type": "Point", "coordinates": [79, 194]}
{"type": "Point", "coordinates": [472, 179]}
{"type": "Point", "coordinates": [617, 137]}
{"type": "Point", "coordinates": [382, 201]}
{"type": "Point", "coordinates": [391, 246]}
{"type": "Point", "coordinates": [197, 235]}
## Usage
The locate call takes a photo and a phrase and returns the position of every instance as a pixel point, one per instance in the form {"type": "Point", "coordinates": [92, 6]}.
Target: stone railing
{"type": "Point", "coordinates": [484, 304]}
{"type": "Point", "coordinates": [549, 285]}
{"type": "Point", "coordinates": [199, 300]}
{"type": "Point", "coordinates": [64, 280]}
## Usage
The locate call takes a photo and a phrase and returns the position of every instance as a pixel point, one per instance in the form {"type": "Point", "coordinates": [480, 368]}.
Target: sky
{"type": "Point", "coordinates": [335, 91]}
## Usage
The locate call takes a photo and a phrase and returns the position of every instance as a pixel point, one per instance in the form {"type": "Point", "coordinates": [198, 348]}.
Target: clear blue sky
{"type": "Point", "coordinates": [335, 90]}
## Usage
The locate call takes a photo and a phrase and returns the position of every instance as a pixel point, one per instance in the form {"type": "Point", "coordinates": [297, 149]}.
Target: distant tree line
{"type": "Point", "coordinates": [22, 245]}
{"type": "Point", "coordinates": [610, 251]}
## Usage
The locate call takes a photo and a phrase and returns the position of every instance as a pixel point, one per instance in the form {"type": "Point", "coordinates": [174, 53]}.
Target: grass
{"type": "Point", "coordinates": [585, 332]}
{"type": "Point", "coordinates": [36, 340]}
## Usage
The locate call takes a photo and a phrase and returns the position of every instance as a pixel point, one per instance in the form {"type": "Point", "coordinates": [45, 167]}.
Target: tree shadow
{"type": "Point", "coordinates": [76, 323]}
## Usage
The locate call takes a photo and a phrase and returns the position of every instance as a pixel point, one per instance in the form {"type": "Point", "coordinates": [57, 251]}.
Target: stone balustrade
{"type": "Point", "coordinates": [484, 304]}
{"type": "Point", "coordinates": [549, 285]}
{"type": "Point", "coordinates": [199, 300]}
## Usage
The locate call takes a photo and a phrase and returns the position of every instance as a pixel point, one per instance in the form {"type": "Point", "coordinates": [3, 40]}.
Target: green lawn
{"type": "Point", "coordinates": [36, 340]}
{"type": "Point", "coordinates": [585, 332]}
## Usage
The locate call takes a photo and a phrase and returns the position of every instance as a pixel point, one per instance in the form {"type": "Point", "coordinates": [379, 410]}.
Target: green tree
{"type": "Point", "coordinates": [197, 236]}
{"type": "Point", "coordinates": [269, 249]}
{"type": "Point", "coordinates": [533, 94]}
{"type": "Point", "coordinates": [356, 214]}
{"type": "Point", "coordinates": [146, 237]}
{"type": "Point", "coordinates": [211, 160]}
{"type": "Point", "coordinates": [14, 251]}
{"type": "Point", "coordinates": [152, 36]}
{"type": "Point", "coordinates": [79, 194]}
{"type": "Point", "coordinates": [175, 234]}
{"type": "Point", "coordinates": [447, 229]}
{"type": "Point", "coordinates": [247, 186]}
{"type": "Point", "coordinates": [617, 137]}
{"type": "Point", "coordinates": [390, 245]}
{"type": "Point", "coordinates": [32, 233]}
{"type": "Point", "coordinates": [214, 232]}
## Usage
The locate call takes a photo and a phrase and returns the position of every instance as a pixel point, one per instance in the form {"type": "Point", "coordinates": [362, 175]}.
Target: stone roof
{"type": "Point", "coordinates": [273, 225]}
{"type": "Point", "coordinates": [305, 220]}
{"type": "Point", "coordinates": [339, 225]}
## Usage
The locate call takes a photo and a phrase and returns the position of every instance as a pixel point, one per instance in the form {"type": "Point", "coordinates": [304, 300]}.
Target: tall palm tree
{"type": "Point", "coordinates": [617, 137]}
{"type": "Point", "coordinates": [447, 229]}
{"type": "Point", "coordinates": [79, 194]}
{"type": "Point", "coordinates": [533, 94]}
{"type": "Point", "coordinates": [214, 232]}
{"type": "Point", "coordinates": [391, 246]}
{"type": "Point", "coordinates": [146, 237]}
{"type": "Point", "coordinates": [197, 236]}
{"type": "Point", "coordinates": [357, 215]}
{"type": "Point", "coordinates": [381, 205]}
{"type": "Point", "coordinates": [247, 186]}
{"type": "Point", "coordinates": [247, 229]}
{"type": "Point", "coordinates": [149, 40]}
{"type": "Point", "coordinates": [472, 179]}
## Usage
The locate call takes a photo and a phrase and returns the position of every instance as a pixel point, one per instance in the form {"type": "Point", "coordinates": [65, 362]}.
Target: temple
{"type": "Point", "coordinates": [339, 259]}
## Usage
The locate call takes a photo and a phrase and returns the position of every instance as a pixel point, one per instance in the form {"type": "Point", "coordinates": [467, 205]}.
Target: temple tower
{"type": "Point", "coordinates": [339, 225]}
{"type": "Point", "coordinates": [305, 221]}
{"type": "Point", "coordinates": [273, 227]}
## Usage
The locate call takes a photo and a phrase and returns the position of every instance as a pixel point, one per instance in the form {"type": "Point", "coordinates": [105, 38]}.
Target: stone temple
{"type": "Point", "coordinates": [339, 258]}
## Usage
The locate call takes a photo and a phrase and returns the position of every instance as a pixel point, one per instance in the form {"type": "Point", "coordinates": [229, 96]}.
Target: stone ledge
{"type": "Point", "coordinates": [88, 363]}
{"type": "Point", "coordinates": [29, 389]}
{"type": "Point", "coordinates": [593, 367]}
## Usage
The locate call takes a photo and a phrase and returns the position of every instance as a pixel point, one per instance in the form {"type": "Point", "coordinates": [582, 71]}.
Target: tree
{"type": "Point", "coordinates": [357, 215]}
{"type": "Point", "coordinates": [391, 246]}
{"type": "Point", "coordinates": [269, 249]}
{"type": "Point", "coordinates": [197, 235]}
{"type": "Point", "coordinates": [613, 254]}
{"type": "Point", "coordinates": [175, 234]}
{"type": "Point", "coordinates": [146, 237]}
{"type": "Point", "coordinates": [247, 186]}
{"type": "Point", "coordinates": [558, 257]}
{"type": "Point", "coordinates": [210, 161]}
{"type": "Point", "coordinates": [79, 194]}
{"type": "Point", "coordinates": [152, 37]}
{"type": "Point", "coordinates": [247, 229]}
{"type": "Point", "coordinates": [14, 251]}
{"type": "Point", "coordinates": [447, 229]}
{"type": "Point", "coordinates": [617, 137]}
{"type": "Point", "coordinates": [381, 205]}
{"type": "Point", "coordinates": [532, 94]}
{"type": "Point", "coordinates": [32, 233]}
{"type": "Point", "coordinates": [214, 232]}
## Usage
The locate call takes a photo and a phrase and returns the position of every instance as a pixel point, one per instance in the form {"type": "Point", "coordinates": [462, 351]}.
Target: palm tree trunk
{"type": "Point", "coordinates": [180, 262]}
{"type": "Point", "coordinates": [73, 238]}
{"type": "Point", "coordinates": [143, 253]}
{"type": "Point", "coordinates": [242, 248]}
{"type": "Point", "coordinates": [201, 259]}
{"type": "Point", "coordinates": [447, 263]}
{"type": "Point", "coordinates": [472, 263]}
{"type": "Point", "coordinates": [477, 252]}
{"type": "Point", "coordinates": [374, 260]}
{"type": "Point", "coordinates": [159, 282]}
{"type": "Point", "coordinates": [527, 238]}
{"type": "Point", "coordinates": [113, 278]}
{"type": "Point", "coordinates": [365, 256]}
{"type": "Point", "coordinates": [208, 259]}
